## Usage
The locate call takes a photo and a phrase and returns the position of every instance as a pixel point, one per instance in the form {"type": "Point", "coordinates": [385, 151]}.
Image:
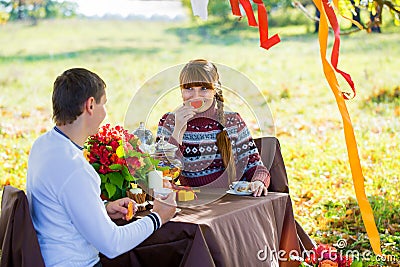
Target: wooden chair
{"type": "Point", "coordinates": [270, 152]}
{"type": "Point", "coordinates": [18, 240]}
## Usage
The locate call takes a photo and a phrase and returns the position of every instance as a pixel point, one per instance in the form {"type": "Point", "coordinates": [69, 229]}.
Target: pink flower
{"type": "Point", "coordinates": [133, 162]}
{"type": "Point", "coordinates": [325, 255]}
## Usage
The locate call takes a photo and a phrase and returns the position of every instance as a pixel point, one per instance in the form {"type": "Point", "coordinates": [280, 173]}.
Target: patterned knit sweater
{"type": "Point", "coordinates": [202, 163]}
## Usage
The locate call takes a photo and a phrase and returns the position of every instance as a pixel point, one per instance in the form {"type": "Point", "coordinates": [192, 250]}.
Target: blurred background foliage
{"type": "Point", "coordinates": [220, 12]}
{"type": "Point", "coordinates": [11, 10]}
{"type": "Point", "coordinates": [371, 20]}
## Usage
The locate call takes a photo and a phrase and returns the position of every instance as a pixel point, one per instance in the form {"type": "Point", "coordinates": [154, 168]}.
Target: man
{"type": "Point", "coordinates": [72, 223]}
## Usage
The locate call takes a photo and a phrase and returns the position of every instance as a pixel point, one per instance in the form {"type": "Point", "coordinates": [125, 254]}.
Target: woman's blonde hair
{"type": "Point", "coordinates": [201, 72]}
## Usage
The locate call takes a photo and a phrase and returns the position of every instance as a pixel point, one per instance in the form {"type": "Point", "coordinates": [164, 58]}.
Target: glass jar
{"type": "Point", "coordinates": [166, 154]}
{"type": "Point", "coordinates": [145, 135]}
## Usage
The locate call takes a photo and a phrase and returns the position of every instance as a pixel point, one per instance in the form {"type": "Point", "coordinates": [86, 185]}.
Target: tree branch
{"type": "Point", "coordinates": [391, 6]}
{"type": "Point", "coordinates": [304, 10]}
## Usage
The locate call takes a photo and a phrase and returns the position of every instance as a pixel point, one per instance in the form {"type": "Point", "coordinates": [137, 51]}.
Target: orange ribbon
{"type": "Point", "coordinates": [329, 70]}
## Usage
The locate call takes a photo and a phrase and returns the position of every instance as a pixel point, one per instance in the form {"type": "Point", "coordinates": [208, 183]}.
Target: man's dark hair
{"type": "Point", "coordinates": [71, 90]}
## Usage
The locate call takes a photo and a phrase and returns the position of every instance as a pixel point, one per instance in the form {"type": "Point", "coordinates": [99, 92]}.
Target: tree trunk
{"type": "Point", "coordinates": [316, 23]}
{"type": "Point", "coordinates": [375, 20]}
{"type": "Point", "coordinates": [357, 16]}
{"type": "Point", "coordinates": [20, 10]}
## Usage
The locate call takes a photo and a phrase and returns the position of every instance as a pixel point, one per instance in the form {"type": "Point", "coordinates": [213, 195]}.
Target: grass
{"type": "Point", "coordinates": [306, 119]}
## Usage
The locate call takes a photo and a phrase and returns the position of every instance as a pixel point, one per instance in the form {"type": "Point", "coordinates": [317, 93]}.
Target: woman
{"type": "Point", "coordinates": [215, 146]}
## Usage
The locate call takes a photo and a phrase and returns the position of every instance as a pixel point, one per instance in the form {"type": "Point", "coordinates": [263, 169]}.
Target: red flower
{"type": "Point", "coordinates": [325, 255]}
{"type": "Point", "coordinates": [118, 149]}
{"type": "Point", "coordinates": [103, 169]}
{"type": "Point", "coordinates": [311, 259]}
{"type": "Point", "coordinates": [114, 158]}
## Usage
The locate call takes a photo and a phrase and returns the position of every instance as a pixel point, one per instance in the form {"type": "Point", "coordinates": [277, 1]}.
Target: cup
{"type": "Point", "coordinates": [240, 186]}
{"type": "Point", "coordinates": [167, 182]}
{"type": "Point", "coordinates": [163, 192]}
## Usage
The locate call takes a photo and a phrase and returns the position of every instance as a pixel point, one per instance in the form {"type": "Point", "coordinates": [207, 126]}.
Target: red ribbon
{"type": "Point", "coordinates": [265, 42]}
{"type": "Point", "coordinates": [235, 8]}
{"type": "Point", "coordinates": [330, 13]}
{"type": "Point", "coordinates": [249, 12]}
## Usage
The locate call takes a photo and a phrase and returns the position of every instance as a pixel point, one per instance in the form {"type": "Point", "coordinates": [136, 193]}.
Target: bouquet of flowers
{"type": "Point", "coordinates": [326, 256]}
{"type": "Point", "coordinates": [116, 156]}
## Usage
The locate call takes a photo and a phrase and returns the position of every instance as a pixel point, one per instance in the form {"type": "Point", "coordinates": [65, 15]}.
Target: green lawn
{"type": "Point", "coordinates": [307, 121]}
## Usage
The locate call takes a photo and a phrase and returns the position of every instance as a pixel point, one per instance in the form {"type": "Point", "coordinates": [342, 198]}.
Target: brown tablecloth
{"type": "Point", "coordinates": [231, 231]}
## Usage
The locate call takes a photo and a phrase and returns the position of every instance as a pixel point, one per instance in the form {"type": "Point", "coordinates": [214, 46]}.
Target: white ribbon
{"type": "Point", "coordinates": [199, 8]}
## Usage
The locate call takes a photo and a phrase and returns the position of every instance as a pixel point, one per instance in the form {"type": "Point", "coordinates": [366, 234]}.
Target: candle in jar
{"type": "Point", "coordinates": [155, 179]}
{"type": "Point", "coordinates": [136, 191]}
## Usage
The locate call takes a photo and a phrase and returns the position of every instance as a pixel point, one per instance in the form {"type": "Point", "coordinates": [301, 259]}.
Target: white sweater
{"type": "Point", "coordinates": [68, 214]}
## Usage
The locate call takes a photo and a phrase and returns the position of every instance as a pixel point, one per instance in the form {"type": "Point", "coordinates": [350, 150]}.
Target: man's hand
{"type": "Point", "coordinates": [165, 207]}
{"type": "Point", "coordinates": [119, 208]}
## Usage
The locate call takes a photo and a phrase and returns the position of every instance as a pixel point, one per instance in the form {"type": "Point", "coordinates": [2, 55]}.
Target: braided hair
{"type": "Point", "coordinates": [201, 72]}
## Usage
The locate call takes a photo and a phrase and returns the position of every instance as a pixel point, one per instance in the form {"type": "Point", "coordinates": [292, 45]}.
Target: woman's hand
{"type": "Point", "coordinates": [119, 208]}
{"type": "Point", "coordinates": [258, 188]}
{"type": "Point", "coordinates": [182, 116]}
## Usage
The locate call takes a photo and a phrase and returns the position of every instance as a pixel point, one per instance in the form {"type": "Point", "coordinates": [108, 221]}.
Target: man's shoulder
{"type": "Point", "coordinates": [43, 137]}
{"type": "Point", "coordinates": [55, 150]}
{"type": "Point", "coordinates": [48, 141]}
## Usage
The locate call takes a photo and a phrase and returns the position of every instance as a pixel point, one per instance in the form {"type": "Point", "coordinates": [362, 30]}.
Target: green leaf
{"type": "Point", "coordinates": [96, 166]}
{"type": "Point", "coordinates": [164, 168]}
{"type": "Point", "coordinates": [130, 178]}
{"type": "Point", "coordinates": [111, 189]}
{"type": "Point", "coordinates": [118, 194]}
{"type": "Point", "coordinates": [356, 264]}
{"type": "Point", "coordinates": [154, 162]}
{"type": "Point", "coordinates": [116, 178]}
{"type": "Point", "coordinates": [115, 167]}
{"type": "Point", "coordinates": [103, 178]}
{"type": "Point", "coordinates": [147, 161]}
{"type": "Point", "coordinates": [132, 153]}
{"type": "Point", "coordinates": [125, 172]}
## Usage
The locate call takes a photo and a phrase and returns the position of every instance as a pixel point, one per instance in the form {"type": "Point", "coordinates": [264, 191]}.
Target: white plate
{"type": "Point", "coordinates": [144, 204]}
{"type": "Point", "coordinates": [177, 210]}
{"type": "Point", "coordinates": [244, 193]}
